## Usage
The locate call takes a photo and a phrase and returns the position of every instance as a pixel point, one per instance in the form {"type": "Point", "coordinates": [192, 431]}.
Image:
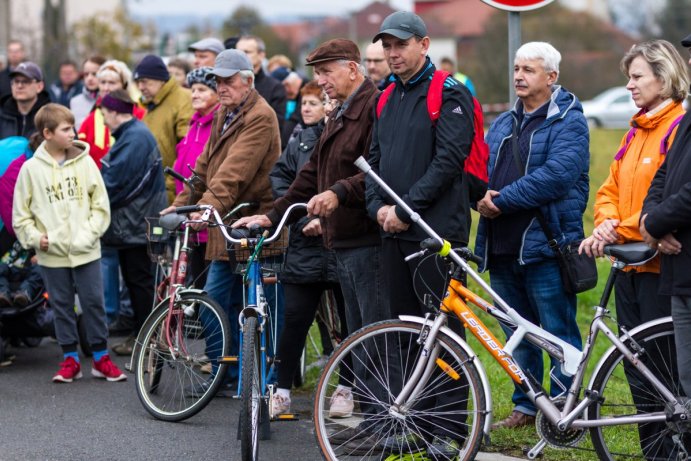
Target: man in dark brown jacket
{"type": "Point", "coordinates": [335, 191]}
{"type": "Point", "coordinates": [243, 146]}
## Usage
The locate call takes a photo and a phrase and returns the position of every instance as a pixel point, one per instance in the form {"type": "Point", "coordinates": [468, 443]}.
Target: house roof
{"type": "Point", "coordinates": [463, 18]}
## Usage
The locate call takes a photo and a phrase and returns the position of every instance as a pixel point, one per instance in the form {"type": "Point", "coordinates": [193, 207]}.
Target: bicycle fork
{"type": "Point", "coordinates": [424, 367]}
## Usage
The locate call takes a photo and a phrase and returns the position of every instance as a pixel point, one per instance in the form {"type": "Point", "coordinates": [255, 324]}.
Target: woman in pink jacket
{"type": "Point", "coordinates": [205, 103]}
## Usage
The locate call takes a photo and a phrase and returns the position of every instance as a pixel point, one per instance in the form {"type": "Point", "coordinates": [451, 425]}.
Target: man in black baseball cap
{"type": "Point", "coordinates": [408, 151]}
{"type": "Point", "coordinates": [28, 96]}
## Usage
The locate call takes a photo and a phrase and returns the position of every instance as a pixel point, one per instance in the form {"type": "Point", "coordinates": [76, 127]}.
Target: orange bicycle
{"type": "Point", "coordinates": [413, 360]}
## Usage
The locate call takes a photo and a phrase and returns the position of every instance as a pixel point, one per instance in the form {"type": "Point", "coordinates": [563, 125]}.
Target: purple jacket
{"type": "Point", "coordinates": [7, 183]}
{"type": "Point", "coordinates": [190, 147]}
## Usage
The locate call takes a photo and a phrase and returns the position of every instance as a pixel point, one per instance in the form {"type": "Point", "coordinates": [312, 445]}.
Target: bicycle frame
{"type": "Point", "coordinates": [572, 360]}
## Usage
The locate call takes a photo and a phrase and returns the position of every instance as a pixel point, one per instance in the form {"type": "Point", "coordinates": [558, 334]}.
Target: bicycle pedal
{"type": "Point", "coordinates": [286, 417]}
{"type": "Point", "coordinates": [228, 359]}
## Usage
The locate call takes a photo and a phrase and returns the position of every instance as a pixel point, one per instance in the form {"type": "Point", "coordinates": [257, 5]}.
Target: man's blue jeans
{"type": "Point", "coordinates": [535, 292]}
{"type": "Point", "coordinates": [226, 288]}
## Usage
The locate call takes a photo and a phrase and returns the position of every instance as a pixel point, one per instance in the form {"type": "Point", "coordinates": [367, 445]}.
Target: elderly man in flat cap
{"type": "Point", "coordinates": [335, 191]}
{"type": "Point", "coordinates": [243, 146]}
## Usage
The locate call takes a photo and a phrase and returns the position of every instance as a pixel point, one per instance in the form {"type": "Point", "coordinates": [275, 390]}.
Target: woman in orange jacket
{"type": "Point", "coordinates": [658, 82]}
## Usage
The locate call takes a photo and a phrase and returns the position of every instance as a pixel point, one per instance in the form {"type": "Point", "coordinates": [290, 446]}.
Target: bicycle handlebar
{"type": "Point", "coordinates": [210, 211]}
{"type": "Point", "coordinates": [171, 172]}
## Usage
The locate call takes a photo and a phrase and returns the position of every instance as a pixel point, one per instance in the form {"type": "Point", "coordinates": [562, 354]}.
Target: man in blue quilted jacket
{"type": "Point", "coordinates": [550, 173]}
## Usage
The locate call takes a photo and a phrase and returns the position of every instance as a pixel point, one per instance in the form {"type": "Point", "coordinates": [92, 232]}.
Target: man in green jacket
{"type": "Point", "coordinates": [168, 109]}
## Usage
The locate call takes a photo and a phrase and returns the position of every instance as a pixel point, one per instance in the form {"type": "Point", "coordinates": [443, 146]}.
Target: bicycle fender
{"type": "Point", "coordinates": [478, 365]}
{"type": "Point", "coordinates": [613, 348]}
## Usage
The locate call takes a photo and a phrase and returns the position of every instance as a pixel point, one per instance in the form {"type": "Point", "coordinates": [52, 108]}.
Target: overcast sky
{"type": "Point", "coordinates": [267, 8]}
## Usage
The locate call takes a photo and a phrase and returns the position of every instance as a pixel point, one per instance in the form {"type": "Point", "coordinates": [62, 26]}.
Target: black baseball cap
{"type": "Point", "coordinates": [403, 25]}
{"type": "Point", "coordinates": [686, 43]}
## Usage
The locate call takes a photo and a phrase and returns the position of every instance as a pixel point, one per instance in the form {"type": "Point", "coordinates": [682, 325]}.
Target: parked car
{"type": "Point", "coordinates": [612, 108]}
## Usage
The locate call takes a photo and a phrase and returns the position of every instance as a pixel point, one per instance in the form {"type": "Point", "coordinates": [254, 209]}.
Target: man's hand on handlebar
{"type": "Point", "coordinates": [260, 220]}
{"type": "Point", "coordinates": [165, 211]}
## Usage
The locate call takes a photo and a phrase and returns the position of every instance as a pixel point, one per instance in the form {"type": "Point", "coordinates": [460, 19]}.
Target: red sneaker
{"type": "Point", "coordinates": [104, 368]}
{"type": "Point", "coordinates": [68, 372]}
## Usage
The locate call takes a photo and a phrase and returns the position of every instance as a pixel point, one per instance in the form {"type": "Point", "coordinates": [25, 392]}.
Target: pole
{"type": "Point", "coordinates": [514, 44]}
{"type": "Point", "coordinates": [5, 25]}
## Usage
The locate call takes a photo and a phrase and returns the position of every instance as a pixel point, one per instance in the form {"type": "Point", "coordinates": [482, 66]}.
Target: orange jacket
{"type": "Point", "coordinates": [621, 196]}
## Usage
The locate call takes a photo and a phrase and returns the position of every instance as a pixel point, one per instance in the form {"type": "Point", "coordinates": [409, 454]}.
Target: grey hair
{"type": "Point", "coordinates": [247, 76]}
{"type": "Point", "coordinates": [292, 76]}
{"type": "Point", "coordinates": [360, 68]}
{"type": "Point", "coordinates": [667, 64]}
{"type": "Point", "coordinates": [543, 51]}
{"type": "Point", "coordinates": [261, 46]}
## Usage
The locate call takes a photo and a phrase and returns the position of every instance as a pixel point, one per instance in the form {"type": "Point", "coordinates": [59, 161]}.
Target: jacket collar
{"type": "Point", "coordinates": [422, 75]}
{"type": "Point", "coordinates": [204, 119]}
{"type": "Point", "coordinates": [358, 100]}
{"type": "Point", "coordinates": [649, 119]}
{"type": "Point", "coordinates": [561, 101]}
{"type": "Point", "coordinates": [163, 93]}
{"type": "Point", "coordinates": [251, 100]}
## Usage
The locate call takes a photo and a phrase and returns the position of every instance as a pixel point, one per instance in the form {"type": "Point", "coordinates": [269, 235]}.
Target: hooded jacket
{"type": "Point", "coordinates": [621, 195]}
{"type": "Point", "coordinates": [555, 179]}
{"type": "Point", "coordinates": [168, 117]}
{"type": "Point", "coordinates": [67, 202]}
{"type": "Point", "coordinates": [13, 123]}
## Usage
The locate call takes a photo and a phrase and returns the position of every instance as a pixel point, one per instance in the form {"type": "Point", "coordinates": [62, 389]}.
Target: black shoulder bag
{"type": "Point", "coordinates": [578, 271]}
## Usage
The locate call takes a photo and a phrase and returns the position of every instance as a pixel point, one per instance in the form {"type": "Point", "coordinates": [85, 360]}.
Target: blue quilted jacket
{"type": "Point", "coordinates": [556, 177]}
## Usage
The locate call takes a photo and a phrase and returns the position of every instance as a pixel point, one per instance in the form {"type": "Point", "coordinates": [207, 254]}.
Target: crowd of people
{"type": "Point", "coordinates": [86, 157]}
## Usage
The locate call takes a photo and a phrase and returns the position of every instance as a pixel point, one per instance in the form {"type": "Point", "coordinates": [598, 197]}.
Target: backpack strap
{"type": "Point", "coordinates": [663, 145]}
{"type": "Point", "coordinates": [629, 138]}
{"type": "Point", "coordinates": [384, 97]}
{"type": "Point", "coordinates": [434, 98]}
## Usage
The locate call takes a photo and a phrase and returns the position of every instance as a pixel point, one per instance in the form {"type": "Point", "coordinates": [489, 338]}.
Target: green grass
{"type": "Point", "coordinates": [603, 146]}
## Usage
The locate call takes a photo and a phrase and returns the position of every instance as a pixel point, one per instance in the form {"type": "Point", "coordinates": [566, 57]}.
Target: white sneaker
{"type": "Point", "coordinates": [280, 405]}
{"type": "Point", "coordinates": [341, 404]}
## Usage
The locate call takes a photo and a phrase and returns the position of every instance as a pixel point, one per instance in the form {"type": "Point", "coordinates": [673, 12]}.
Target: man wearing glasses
{"type": "Point", "coordinates": [376, 65]}
{"type": "Point", "coordinates": [28, 96]}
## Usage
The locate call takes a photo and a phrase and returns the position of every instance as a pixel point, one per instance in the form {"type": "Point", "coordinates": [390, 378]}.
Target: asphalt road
{"type": "Point", "coordinates": [93, 419]}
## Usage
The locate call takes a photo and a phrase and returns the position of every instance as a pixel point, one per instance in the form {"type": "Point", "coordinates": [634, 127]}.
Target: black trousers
{"type": "Point", "coordinates": [301, 303]}
{"type": "Point", "coordinates": [405, 283]}
{"type": "Point", "coordinates": [138, 274]}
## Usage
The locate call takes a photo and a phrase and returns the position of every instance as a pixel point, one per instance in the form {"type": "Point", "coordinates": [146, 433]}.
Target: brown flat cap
{"type": "Point", "coordinates": [335, 49]}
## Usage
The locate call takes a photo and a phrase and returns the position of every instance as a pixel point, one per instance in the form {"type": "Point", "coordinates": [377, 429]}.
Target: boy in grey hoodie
{"type": "Point", "coordinates": [61, 210]}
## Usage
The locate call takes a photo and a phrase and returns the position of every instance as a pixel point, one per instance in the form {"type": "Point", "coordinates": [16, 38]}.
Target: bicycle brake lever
{"type": "Point", "coordinates": [415, 255]}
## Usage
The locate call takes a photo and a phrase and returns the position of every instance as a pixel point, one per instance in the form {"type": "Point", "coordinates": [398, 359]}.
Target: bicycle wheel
{"type": "Point", "coordinates": [624, 391]}
{"type": "Point", "coordinates": [250, 412]}
{"type": "Point", "coordinates": [168, 377]}
{"type": "Point", "coordinates": [451, 402]}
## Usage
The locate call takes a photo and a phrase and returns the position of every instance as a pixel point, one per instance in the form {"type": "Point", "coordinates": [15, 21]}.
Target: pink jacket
{"type": "Point", "coordinates": [7, 183]}
{"type": "Point", "coordinates": [190, 147]}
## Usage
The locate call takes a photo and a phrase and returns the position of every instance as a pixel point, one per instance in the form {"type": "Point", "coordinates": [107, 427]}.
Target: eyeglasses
{"type": "Point", "coordinates": [376, 61]}
{"type": "Point", "coordinates": [22, 82]}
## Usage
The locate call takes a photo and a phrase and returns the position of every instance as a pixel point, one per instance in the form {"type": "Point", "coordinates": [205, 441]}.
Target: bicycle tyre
{"type": "Point", "coordinates": [164, 382]}
{"type": "Point", "coordinates": [301, 371]}
{"type": "Point", "coordinates": [374, 347]}
{"type": "Point", "coordinates": [250, 411]}
{"type": "Point", "coordinates": [615, 391]}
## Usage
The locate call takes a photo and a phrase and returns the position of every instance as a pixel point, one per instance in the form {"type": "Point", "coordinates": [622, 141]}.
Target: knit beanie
{"type": "Point", "coordinates": [153, 67]}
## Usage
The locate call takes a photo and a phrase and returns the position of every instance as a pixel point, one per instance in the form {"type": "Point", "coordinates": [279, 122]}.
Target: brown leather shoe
{"type": "Point", "coordinates": [516, 419]}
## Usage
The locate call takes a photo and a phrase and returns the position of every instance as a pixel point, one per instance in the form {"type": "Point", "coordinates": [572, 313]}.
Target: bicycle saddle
{"type": "Point", "coordinates": [171, 221]}
{"type": "Point", "coordinates": [631, 254]}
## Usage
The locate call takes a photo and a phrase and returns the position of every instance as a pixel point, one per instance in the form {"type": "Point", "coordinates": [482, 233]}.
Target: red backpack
{"type": "Point", "coordinates": [475, 166]}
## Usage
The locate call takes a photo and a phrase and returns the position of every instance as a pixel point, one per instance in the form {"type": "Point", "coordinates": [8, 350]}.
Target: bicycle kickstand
{"type": "Point", "coordinates": [537, 449]}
